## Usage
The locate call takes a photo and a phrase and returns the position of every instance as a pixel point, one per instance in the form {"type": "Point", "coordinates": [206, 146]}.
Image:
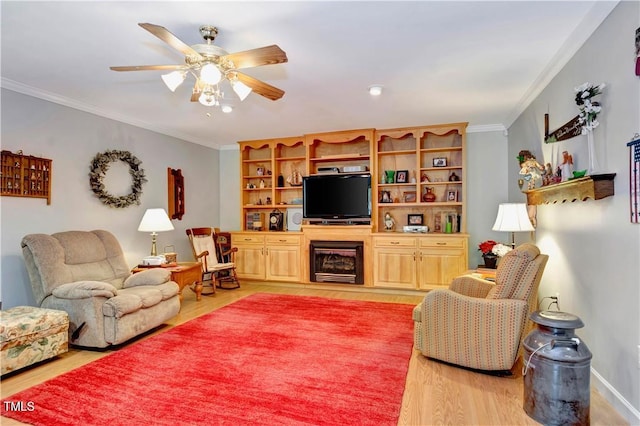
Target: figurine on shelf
{"type": "Point", "coordinates": [453, 177]}
{"type": "Point", "coordinates": [567, 166]}
{"type": "Point", "coordinates": [389, 223]}
{"type": "Point", "coordinates": [530, 170]}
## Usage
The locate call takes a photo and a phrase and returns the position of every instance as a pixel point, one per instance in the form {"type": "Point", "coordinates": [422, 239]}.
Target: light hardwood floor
{"type": "Point", "coordinates": [435, 393]}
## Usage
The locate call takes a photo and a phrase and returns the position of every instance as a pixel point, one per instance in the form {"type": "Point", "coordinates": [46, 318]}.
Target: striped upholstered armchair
{"type": "Point", "coordinates": [479, 324]}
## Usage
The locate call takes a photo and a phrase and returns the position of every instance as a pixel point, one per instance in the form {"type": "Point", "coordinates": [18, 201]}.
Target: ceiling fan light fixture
{"type": "Point", "coordinates": [174, 79]}
{"type": "Point", "coordinates": [375, 90]}
{"type": "Point", "coordinates": [241, 89]}
{"type": "Point", "coordinates": [208, 98]}
{"type": "Point", "coordinates": [210, 74]}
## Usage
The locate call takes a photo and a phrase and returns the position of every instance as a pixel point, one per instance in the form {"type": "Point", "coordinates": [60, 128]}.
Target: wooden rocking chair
{"type": "Point", "coordinates": [218, 265]}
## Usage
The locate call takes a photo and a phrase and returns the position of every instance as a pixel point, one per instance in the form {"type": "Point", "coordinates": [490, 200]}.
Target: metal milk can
{"type": "Point", "coordinates": [556, 370]}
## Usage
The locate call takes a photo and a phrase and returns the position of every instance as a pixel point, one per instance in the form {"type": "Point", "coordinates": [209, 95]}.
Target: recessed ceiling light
{"type": "Point", "coordinates": [226, 108]}
{"type": "Point", "coordinates": [375, 90]}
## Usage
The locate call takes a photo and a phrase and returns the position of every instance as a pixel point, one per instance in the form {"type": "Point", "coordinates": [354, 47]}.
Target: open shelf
{"type": "Point", "coordinates": [595, 187]}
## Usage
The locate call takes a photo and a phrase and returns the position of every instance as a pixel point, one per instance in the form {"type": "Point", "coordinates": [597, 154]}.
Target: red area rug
{"type": "Point", "coordinates": [265, 359]}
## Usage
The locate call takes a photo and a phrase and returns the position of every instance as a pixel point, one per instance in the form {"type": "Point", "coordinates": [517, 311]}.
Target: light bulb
{"type": "Point", "coordinates": [210, 74]}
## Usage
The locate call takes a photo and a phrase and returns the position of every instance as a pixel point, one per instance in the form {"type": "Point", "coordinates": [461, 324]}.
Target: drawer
{"type": "Point", "coordinates": [247, 239]}
{"type": "Point", "coordinates": [283, 239]}
{"type": "Point", "coordinates": [394, 241]}
{"type": "Point", "coordinates": [450, 242]}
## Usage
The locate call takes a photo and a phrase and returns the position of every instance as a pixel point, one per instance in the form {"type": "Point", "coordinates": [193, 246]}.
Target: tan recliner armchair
{"type": "Point", "coordinates": [86, 275]}
{"type": "Point", "coordinates": [480, 324]}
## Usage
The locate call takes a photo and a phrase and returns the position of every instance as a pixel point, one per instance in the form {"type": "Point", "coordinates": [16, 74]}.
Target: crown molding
{"type": "Point", "coordinates": [592, 20]}
{"type": "Point", "coordinates": [12, 85]}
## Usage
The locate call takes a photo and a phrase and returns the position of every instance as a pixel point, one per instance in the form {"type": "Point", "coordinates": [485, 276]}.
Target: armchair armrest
{"type": "Point", "coordinates": [231, 253]}
{"type": "Point", "coordinates": [153, 276]}
{"type": "Point", "coordinates": [84, 290]}
{"type": "Point", "coordinates": [471, 286]}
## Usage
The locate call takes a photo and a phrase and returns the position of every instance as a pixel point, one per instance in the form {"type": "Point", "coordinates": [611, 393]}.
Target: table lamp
{"type": "Point", "coordinates": [512, 217]}
{"type": "Point", "coordinates": [154, 221]}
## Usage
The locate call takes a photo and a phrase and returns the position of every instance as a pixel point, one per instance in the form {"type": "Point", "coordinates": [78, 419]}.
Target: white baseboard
{"type": "Point", "coordinates": [619, 403]}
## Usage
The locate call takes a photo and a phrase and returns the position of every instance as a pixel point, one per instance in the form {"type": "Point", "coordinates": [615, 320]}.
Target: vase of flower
{"type": "Point", "coordinates": [491, 252]}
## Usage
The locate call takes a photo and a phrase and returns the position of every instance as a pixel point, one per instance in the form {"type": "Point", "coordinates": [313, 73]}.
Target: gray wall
{"type": "Point", "coordinates": [594, 249]}
{"type": "Point", "coordinates": [71, 138]}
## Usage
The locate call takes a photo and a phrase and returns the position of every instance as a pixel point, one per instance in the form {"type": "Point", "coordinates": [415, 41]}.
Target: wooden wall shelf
{"type": "Point", "coordinates": [25, 176]}
{"type": "Point", "coordinates": [595, 187]}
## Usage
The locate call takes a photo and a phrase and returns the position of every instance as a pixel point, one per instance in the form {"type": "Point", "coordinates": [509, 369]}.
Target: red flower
{"type": "Point", "coordinates": [486, 246]}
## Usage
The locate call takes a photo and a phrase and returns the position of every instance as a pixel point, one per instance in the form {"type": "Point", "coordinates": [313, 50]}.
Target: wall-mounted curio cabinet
{"type": "Point", "coordinates": [25, 176]}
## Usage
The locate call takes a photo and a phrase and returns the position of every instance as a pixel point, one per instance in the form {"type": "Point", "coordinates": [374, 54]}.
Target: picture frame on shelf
{"type": "Point", "coordinates": [415, 219]}
{"type": "Point", "coordinates": [452, 195]}
{"type": "Point", "coordinates": [440, 162]}
{"type": "Point", "coordinates": [409, 197]}
{"type": "Point", "coordinates": [402, 176]}
{"type": "Point", "coordinates": [385, 197]}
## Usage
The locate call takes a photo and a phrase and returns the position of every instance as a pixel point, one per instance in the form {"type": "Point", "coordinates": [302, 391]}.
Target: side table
{"type": "Point", "coordinates": [183, 274]}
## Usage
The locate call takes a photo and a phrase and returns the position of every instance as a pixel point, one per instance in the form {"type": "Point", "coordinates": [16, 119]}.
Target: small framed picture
{"type": "Point", "coordinates": [409, 197]}
{"type": "Point", "coordinates": [415, 219]}
{"type": "Point", "coordinates": [402, 176]}
{"type": "Point", "coordinates": [385, 197]}
{"type": "Point", "coordinates": [440, 162]}
{"type": "Point", "coordinates": [452, 195]}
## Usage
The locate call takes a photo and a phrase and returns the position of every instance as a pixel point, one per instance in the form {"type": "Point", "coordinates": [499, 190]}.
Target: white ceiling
{"type": "Point", "coordinates": [439, 62]}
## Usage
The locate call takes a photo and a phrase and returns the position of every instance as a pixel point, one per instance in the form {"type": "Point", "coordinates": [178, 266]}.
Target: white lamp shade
{"type": "Point", "coordinates": [155, 220]}
{"type": "Point", "coordinates": [210, 74]}
{"type": "Point", "coordinates": [174, 79]}
{"type": "Point", "coordinates": [241, 89]}
{"type": "Point", "coordinates": [512, 217]}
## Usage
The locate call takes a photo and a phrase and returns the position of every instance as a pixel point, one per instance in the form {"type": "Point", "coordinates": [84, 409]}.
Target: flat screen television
{"type": "Point", "coordinates": [337, 198]}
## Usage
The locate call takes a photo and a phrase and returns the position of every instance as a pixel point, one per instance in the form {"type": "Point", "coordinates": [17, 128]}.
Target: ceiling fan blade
{"type": "Point", "coordinates": [167, 36]}
{"type": "Point", "coordinates": [267, 55]}
{"type": "Point", "coordinates": [149, 68]}
{"type": "Point", "coordinates": [260, 87]}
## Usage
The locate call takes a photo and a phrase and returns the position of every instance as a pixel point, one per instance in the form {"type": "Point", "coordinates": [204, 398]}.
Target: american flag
{"type": "Point", "coordinates": [634, 179]}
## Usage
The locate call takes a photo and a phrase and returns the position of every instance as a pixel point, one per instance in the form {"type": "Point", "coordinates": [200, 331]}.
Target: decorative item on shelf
{"type": "Point", "coordinates": [262, 184]}
{"type": "Point", "coordinates": [413, 177]}
{"type": "Point", "coordinates": [175, 183]}
{"type": "Point", "coordinates": [280, 181]}
{"type": "Point", "coordinates": [428, 196]}
{"type": "Point", "coordinates": [402, 176]}
{"type": "Point", "coordinates": [389, 222]}
{"type": "Point", "coordinates": [154, 221]}
{"type": "Point", "coordinates": [257, 226]}
{"type": "Point", "coordinates": [440, 162]}
{"type": "Point", "coordinates": [268, 202]}
{"type": "Point", "coordinates": [276, 220]}
{"type": "Point", "coordinates": [513, 217]}
{"type": "Point", "coordinates": [385, 197]}
{"type": "Point", "coordinates": [260, 171]}
{"type": "Point", "coordinates": [415, 219]}
{"type": "Point", "coordinates": [390, 176]}
{"type": "Point", "coordinates": [452, 195]}
{"type": "Point", "coordinates": [566, 167]}
{"type": "Point", "coordinates": [530, 171]}
{"type": "Point", "coordinates": [424, 178]}
{"type": "Point", "coordinates": [409, 197]}
{"type": "Point", "coordinates": [453, 177]}
{"type": "Point", "coordinates": [295, 178]}
{"type": "Point", "coordinates": [100, 165]}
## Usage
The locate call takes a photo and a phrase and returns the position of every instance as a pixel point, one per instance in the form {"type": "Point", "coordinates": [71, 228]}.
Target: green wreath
{"type": "Point", "coordinates": [100, 165]}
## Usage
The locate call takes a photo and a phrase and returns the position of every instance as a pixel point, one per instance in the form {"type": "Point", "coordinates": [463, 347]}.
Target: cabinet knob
{"type": "Point", "coordinates": [441, 244]}
{"type": "Point", "coordinates": [395, 243]}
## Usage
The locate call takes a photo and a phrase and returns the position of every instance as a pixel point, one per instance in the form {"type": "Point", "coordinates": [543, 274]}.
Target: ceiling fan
{"type": "Point", "coordinates": [210, 64]}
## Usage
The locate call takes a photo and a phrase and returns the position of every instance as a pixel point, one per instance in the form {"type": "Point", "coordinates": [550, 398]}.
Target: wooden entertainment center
{"type": "Point", "coordinates": [417, 176]}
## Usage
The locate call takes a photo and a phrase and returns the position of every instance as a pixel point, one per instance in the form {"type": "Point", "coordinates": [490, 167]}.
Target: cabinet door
{"type": "Point", "coordinates": [283, 263]}
{"type": "Point", "coordinates": [394, 267]}
{"type": "Point", "coordinates": [438, 267]}
{"type": "Point", "coordinates": [250, 261]}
